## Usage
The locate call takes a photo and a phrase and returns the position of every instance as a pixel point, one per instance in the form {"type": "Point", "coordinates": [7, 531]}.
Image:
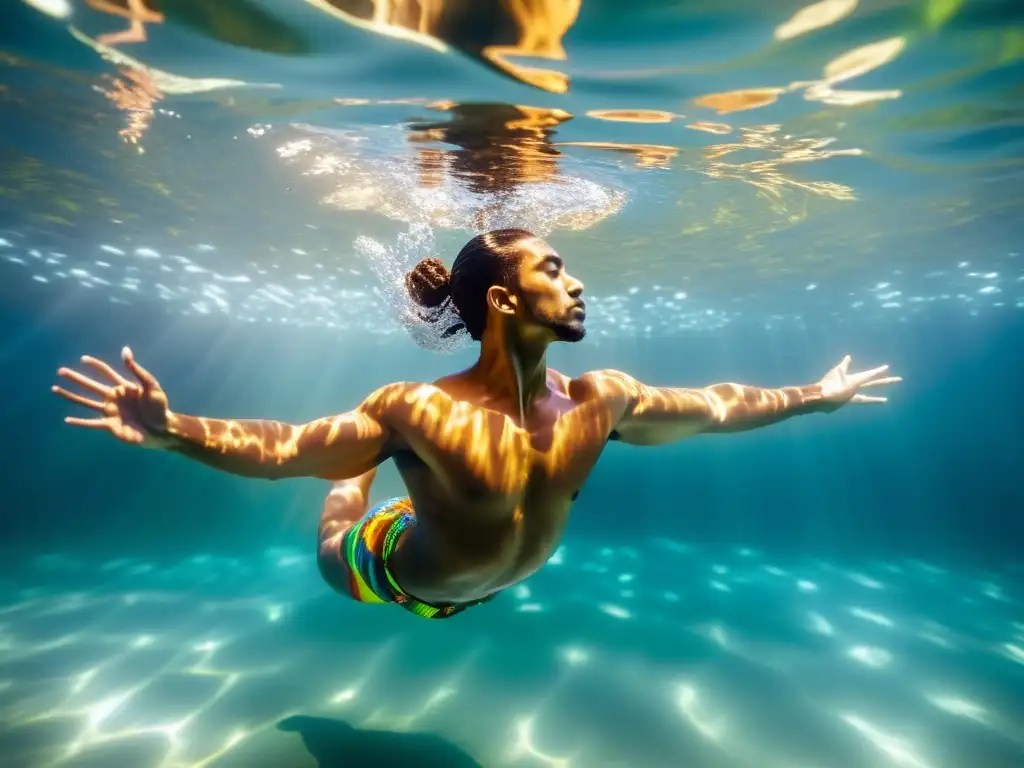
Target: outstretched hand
{"type": "Point", "coordinates": [840, 387]}
{"type": "Point", "coordinates": [132, 411]}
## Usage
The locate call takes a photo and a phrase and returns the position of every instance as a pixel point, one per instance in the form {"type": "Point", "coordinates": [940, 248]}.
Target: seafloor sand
{"type": "Point", "coordinates": [658, 655]}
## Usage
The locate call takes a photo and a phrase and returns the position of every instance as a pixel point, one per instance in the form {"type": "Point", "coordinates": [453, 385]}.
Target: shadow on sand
{"type": "Point", "coordinates": [335, 744]}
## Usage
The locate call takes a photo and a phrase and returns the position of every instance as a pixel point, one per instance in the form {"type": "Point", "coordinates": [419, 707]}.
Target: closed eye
{"type": "Point", "coordinates": [552, 265]}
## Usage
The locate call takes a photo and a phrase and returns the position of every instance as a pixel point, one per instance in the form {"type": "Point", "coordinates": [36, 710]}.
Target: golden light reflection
{"type": "Point", "coordinates": [492, 33]}
{"type": "Point", "coordinates": [737, 101]}
{"type": "Point", "coordinates": [632, 115]}
{"type": "Point", "coordinates": [846, 66]}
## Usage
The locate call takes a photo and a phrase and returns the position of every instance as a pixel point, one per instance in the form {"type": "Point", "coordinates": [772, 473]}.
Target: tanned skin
{"type": "Point", "coordinates": [492, 457]}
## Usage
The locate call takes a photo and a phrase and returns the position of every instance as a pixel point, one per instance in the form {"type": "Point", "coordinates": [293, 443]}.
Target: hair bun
{"type": "Point", "coordinates": [429, 282]}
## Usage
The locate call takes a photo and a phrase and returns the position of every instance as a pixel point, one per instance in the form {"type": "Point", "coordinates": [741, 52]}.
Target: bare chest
{"type": "Point", "coordinates": [480, 453]}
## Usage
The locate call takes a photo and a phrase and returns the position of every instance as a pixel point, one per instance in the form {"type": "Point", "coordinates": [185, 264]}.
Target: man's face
{"type": "Point", "coordinates": [551, 303]}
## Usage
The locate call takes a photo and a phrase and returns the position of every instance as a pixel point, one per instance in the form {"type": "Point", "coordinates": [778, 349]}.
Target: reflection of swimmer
{"type": "Point", "coordinates": [138, 15]}
{"type": "Point", "coordinates": [493, 32]}
{"type": "Point", "coordinates": [492, 456]}
{"type": "Point", "coordinates": [500, 145]}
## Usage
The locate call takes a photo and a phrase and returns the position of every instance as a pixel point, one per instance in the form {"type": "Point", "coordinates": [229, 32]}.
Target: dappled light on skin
{"type": "Point", "coordinates": [532, 468]}
{"type": "Point", "coordinates": [719, 407]}
{"type": "Point", "coordinates": [496, 453]}
{"type": "Point", "coordinates": [271, 444]}
{"type": "Point", "coordinates": [515, 29]}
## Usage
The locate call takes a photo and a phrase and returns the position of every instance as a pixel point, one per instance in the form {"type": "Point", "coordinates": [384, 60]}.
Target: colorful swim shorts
{"type": "Point", "coordinates": [365, 549]}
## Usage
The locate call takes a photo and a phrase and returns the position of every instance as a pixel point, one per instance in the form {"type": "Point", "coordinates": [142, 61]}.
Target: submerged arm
{"type": "Point", "coordinates": [331, 448]}
{"type": "Point", "coordinates": [660, 415]}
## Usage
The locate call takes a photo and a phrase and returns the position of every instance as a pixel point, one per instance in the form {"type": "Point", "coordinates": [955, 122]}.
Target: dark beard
{"type": "Point", "coordinates": [569, 331]}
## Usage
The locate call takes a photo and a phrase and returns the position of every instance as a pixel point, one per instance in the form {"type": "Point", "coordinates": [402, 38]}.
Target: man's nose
{"type": "Point", "coordinates": [575, 287]}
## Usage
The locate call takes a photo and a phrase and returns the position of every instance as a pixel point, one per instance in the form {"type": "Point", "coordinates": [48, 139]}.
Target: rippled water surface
{"type": "Point", "coordinates": [241, 183]}
{"type": "Point", "coordinates": [709, 161]}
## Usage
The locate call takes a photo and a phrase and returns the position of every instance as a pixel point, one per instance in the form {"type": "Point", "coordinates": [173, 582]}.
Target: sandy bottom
{"type": "Point", "coordinates": [660, 654]}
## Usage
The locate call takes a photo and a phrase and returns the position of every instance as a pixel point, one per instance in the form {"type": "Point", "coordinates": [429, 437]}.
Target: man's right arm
{"type": "Point", "coordinates": [331, 448]}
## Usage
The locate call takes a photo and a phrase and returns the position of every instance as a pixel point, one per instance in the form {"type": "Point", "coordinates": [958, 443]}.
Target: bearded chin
{"type": "Point", "coordinates": [569, 331]}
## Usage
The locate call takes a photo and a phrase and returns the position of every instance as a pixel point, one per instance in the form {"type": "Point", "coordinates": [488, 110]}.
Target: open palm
{"type": "Point", "coordinates": [840, 386]}
{"type": "Point", "coordinates": [132, 411]}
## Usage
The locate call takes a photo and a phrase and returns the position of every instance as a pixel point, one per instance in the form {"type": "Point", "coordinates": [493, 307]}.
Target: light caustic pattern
{"type": "Point", "coordinates": [660, 654]}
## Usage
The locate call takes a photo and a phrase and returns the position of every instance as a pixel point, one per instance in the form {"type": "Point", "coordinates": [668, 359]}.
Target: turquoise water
{"type": "Point", "coordinates": [749, 192]}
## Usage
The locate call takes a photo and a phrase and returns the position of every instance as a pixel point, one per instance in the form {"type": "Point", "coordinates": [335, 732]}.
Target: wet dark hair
{"type": "Point", "coordinates": [486, 260]}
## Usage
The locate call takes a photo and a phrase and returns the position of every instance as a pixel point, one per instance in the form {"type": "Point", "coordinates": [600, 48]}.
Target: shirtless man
{"type": "Point", "coordinates": [492, 457]}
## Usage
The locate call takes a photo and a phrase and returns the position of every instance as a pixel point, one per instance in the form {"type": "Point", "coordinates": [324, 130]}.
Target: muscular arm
{"type": "Point", "coordinates": [660, 415]}
{"type": "Point", "coordinates": [331, 448]}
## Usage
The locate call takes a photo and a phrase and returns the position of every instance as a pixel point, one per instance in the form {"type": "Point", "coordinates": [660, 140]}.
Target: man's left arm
{"type": "Point", "coordinates": [660, 415]}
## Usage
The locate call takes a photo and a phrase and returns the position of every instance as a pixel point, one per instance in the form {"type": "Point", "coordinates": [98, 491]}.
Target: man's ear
{"type": "Point", "coordinates": [502, 300]}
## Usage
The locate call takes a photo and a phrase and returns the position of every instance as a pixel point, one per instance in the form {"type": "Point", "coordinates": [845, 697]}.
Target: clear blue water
{"type": "Point", "coordinates": [833, 591]}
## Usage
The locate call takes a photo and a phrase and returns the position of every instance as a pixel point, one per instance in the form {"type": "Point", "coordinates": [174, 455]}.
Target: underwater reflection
{"type": "Point", "coordinates": [494, 32]}
{"type": "Point", "coordinates": [136, 12]}
{"type": "Point", "coordinates": [500, 146]}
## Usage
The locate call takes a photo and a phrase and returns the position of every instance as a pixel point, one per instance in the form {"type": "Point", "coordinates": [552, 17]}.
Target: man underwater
{"type": "Point", "coordinates": [492, 457]}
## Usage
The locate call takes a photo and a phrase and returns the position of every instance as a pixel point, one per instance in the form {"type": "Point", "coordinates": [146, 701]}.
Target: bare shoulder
{"type": "Point", "coordinates": [402, 398]}
{"type": "Point", "coordinates": [605, 383]}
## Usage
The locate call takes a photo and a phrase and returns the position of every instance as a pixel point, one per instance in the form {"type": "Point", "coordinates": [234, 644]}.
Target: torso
{"type": "Point", "coordinates": [492, 497]}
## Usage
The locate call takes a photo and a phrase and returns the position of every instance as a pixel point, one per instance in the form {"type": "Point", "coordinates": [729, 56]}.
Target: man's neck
{"type": "Point", "coordinates": [511, 368]}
